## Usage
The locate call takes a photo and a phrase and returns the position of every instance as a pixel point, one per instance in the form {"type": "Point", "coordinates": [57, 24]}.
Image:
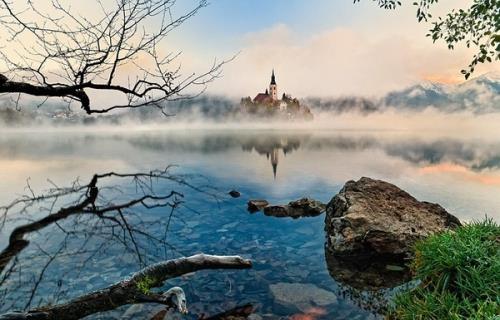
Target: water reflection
{"type": "Point", "coordinates": [461, 174]}
{"type": "Point", "coordinates": [367, 273]}
{"type": "Point", "coordinates": [475, 155]}
{"type": "Point", "coordinates": [272, 147]}
{"type": "Point", "coordinates": [370, 283]}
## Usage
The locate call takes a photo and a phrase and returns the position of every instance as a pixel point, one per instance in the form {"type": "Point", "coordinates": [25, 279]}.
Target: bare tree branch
{"type": "Point", "coordinates": [70, 55]}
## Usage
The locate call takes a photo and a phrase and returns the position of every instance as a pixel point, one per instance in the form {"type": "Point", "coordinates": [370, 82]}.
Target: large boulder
{"type": "Point", "coordinates": [373, 217]}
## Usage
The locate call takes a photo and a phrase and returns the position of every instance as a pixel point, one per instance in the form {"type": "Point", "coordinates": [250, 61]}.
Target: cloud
{"type": "Point", "coordinates": [341, 61]}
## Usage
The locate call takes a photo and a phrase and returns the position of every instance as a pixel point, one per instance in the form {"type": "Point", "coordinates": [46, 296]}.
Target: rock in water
{"type": "Point", "coordinates": [234, 194]}
{"type": "Point", "coordinates": [373, 217]}
{"type": "Point", "coordinates": [257, 205]}
{"type": "Point", "coordinates": [303, 296]}
{"type": "Point", "coordinates": [304, 207]}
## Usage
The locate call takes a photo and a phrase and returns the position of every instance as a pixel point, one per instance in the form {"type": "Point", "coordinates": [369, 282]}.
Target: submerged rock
{"type": "Point", "coordinates": [373, 217]}
{"type": "Point", "coordinates": [304, 207]}
{"type": "Point", "coordinates": [257, 205]}
{"type": "Point", "coordinates": [234, 194]}
{"type": "Point", "coordinates": [303, 296]}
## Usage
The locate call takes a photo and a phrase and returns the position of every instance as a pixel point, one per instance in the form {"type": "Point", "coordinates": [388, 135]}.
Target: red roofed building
{"type": "Point", "coordinates": [263, 98]}
{"type": "Point", "coordinates": [270, 96]}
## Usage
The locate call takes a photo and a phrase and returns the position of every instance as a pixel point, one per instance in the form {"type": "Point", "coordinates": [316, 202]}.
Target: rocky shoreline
{"type": "Point", "coordinates": [368, 218]}
{"type": "Point", "coordinates": [371, 227]}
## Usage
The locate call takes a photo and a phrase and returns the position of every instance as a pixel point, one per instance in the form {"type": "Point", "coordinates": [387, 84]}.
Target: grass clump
{"type": "Point", "coordinates": [459, 273]}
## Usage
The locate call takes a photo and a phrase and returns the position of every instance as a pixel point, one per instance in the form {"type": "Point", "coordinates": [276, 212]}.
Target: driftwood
{"type": "Point", "coordinates": [134, 290]}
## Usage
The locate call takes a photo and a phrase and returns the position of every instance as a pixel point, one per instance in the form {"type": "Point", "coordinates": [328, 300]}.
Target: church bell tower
{"type": "Point", "coordinates": [273, 88]}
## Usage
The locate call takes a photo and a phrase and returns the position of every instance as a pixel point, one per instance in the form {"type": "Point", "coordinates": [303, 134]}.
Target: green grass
{"type": "Point", "coordinates": [460, 276]}
{"type": "Point", "coordinates": [145, 284]}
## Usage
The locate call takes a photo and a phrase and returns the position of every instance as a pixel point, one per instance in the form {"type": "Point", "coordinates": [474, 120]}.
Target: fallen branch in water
{"type": "Point", "coordinates": [135, 290]}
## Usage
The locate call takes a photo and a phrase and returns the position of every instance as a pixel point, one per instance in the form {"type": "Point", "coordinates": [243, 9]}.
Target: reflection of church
{"type": "Point", "coordinates": [272, 147]}
{"type": "Point", "coordinates": [274, 160]}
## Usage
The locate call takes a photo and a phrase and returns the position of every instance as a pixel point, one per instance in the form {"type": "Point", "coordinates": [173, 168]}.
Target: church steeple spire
{"type": "Point", "coordinates": [273, 88]}
{"type": "Point", "coordinates": [273, 79]}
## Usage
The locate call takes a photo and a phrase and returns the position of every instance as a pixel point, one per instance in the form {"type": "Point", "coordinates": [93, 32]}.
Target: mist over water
{"type": "Point", "coordinates": [455, 168]}
{"type": "Point", "coordinates": [429, 122]}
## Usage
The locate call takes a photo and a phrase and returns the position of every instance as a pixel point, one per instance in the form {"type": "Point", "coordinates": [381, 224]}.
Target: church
{"type": "Point", "coordinates": [270, 97]}
{"type": "Point", "coordinates": [268, 105]}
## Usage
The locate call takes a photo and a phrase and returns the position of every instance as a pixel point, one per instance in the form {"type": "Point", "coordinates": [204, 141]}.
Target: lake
{"type": "Point", "coordinates": [460, 173]}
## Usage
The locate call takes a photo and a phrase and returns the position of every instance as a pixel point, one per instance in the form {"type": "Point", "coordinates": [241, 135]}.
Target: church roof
{"type": "Point", "coordinates": [262, 98]}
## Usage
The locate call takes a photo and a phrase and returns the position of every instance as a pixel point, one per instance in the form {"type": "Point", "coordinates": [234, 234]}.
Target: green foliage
{"type": "Point", "coordinates": [386, 4]}
{"type": "Point", "coordinates": [477, 26]}
{"type": "Point", "coordinates": [459, 273]}
{"type": "Point", "coordinates": [145, 284]}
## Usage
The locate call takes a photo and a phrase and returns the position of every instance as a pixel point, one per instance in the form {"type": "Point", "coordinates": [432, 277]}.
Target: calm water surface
{"type": "Point", "coordinates": [461, 174]}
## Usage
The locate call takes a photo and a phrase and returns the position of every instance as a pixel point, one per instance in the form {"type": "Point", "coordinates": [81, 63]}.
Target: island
{"type": "Point", "coordinates": [267, 105]}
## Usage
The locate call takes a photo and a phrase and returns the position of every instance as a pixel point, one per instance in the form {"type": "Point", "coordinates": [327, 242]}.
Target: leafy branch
{"type": "Point", "coordinates": [477, 26]}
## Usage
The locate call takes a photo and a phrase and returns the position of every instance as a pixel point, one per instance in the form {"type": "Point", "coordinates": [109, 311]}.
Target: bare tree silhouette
{"type": "Point", "coordinates": [62, 53]}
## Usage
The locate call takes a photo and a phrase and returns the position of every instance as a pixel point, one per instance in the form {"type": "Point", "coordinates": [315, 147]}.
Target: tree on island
{"type": "Point", "coordinates": [478, 26]}
{"type": "Point", "coordinates": [58, 52]}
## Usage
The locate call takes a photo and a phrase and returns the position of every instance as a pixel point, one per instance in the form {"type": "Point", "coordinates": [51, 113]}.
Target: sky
{"type": "Point", "coordinates": [318, 47]}
{"type": "Point", "coordinates": [326, 48]}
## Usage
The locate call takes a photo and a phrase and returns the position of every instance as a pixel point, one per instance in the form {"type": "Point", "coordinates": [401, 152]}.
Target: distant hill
{"type": "Point", "coordinates": [478, 95]}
